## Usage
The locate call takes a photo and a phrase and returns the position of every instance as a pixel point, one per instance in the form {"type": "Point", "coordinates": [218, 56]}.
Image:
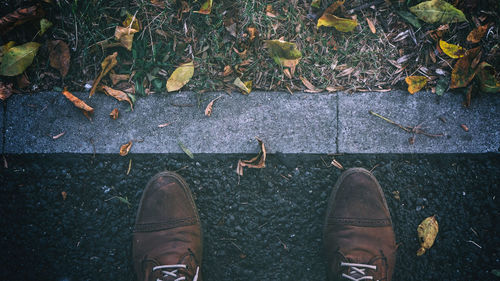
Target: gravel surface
{"type": "Point", "coordinates": [265, 225]}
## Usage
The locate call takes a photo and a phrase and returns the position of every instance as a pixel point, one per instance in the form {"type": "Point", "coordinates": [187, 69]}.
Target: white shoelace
{"type": "Point", "coordinates": [357, 272]}
{"type": "Point", "coordinates": [173, 273]}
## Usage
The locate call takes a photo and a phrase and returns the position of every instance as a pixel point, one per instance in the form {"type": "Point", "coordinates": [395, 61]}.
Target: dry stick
{"type": "Point", "coordinates": [408, 129]}
{"type": "Point", "coordinates": [416, 129]}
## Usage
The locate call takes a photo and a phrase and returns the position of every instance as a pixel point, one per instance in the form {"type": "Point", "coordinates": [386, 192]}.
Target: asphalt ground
{"type": "Point", "coordinates": [265, 225]}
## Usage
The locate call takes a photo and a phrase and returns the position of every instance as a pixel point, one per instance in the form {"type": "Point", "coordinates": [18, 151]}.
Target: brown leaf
{"type": "Point", "coordinates": [371, 25]}
{"type": "Point", "coordinates": [252, 31]}
{"type": "Point", "coordinates": [115, 78]}
{"type": "Point", "coordinates": [20, 16]}
{"type": "Point", "coordinates": [59, 56]}
{"type": "Point", "coordinates": [465, 127]}
{"type": "Point", "coordinates": [209, 108]}
{"type": "Point", "coordinates": [310, 87]}
{"type": "Point", "coordinates": [227, 70]}
{"type": "Point", "coordinates": [124, 149]}
{"type": "Point", "coordinates": [117, 94]}
{"type": "Point", "coordinates": [270, 12]}
{"type": "Point", "coordinates": [78, 103]}
{"type": "Point", "coordinates": [106, 65]}
{"type": "Point", "coordinates": [257, 162]}
{"type": "Point", "coordinates": [462, 73]}
{"type": "Point", "coordinates": [5, 90]}
{"type": "Point", "coordinates": [126, 36]}
{"type": "Point", "coordinates": [158, 3]}
{"type": "Point", "coordinates": [64, 194]}
{"type": "Point", "coordinates": [477, 34]}
{"type": "Point", "coordinates": [114, 114]}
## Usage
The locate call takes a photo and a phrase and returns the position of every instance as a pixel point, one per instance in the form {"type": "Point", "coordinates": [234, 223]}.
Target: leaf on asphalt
{"type": "Point", "coordinates": [59, 56]}
{"type": "Point", "coordinates": [409, 17]}
{"type": "Point", "coordinates": [427, 231]}
{"type": "Point", "coordinates": [452, 50]}
{"type": "Point", "coordinates": [477, 34]}
{"type": "Point", "coordinates": [438, 11]}
{"type": "Point", "coordinates": [284, 53]}
{"type": "Point", "coordinates": [245, 87]}
{"type": "Point", "coordinates": [206, 8]}
{"type": "Point", "coordinates": [5, 90]}
{"type": "Point", "coordinates": [45, 24]}
{"type": "Point", "coordinates": [5, 48]}
{"type": "Point", "coordinates": [371, 25]}
{"type": "Point", "coordinates": [116, 78]}
{"type": "Point", "coordinates": [310, 87]}
{"type": "Point", "coordinates": [441, 86]}
{"type": "Point", "coordinates": [270, 11]}
{"type": "Point", "coordinates": [87, 110]}
{"type": "Point", "coordinates": [18, 58]}
{"type": "Point", "coordinates": [487, 78]}
{"type": "Point", "coordinates": [316, 4]}
{"type": "Point", "coordinates": [126, 36]}
{"type": "Point", "coordinates": [20, 16]}
{"type": "Point", "coordinates": [209, 108]}
{"type": "Point", "coordinates": [106, 65]}
{"type": "Point", "coordinates": [117, 94]}
{"type": "Point", "coordinates": [258, 162]}
{"type": "Point", "coordinates": [124, 149]}
{"type": "Point", "coordinates": [180, 76]}
{"type": "Point", "coordinates": [114, 114]}
{"type": "Point", "coordinates": [341, 24]}
{"type": "Point", "coordinates": [416, 83]}
{"type": "Point", "coordinates": [185, 149]}
{"type": "Point", "coordinates": [462, 73]}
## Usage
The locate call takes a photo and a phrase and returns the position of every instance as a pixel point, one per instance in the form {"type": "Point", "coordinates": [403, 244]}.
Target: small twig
{"type": "Point", "coordinates": [181, 169]}
{"type": "Point", "coordinates": [408, 129]}
{"type": "Point", "coordinates": [234, 244]}
{"type": "Point", "coordinates": [470, 241]}
{"type": "Point", "coordinates": [129, 166]}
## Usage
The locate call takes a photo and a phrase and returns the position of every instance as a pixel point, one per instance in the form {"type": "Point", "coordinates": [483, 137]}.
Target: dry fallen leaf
{"type": "Point", "coordinates": [427, 232]}
{"type": "Point", "coordinates": [452, 50]}
{"type": "Point", "coordinates": [114, 114]}
{"type": "Point", "coordinates": [5, 90]}
{"type": "Point", "coordinates": [477, 34]}
{"type": "Point", "coordinates": [416, 83]}
{"type": "Point", "coordinates": [257, 162]}
{"type": "Point", "coordinates": [126, 36]}
{"type": "Point", "coordinates": [117, 94]}
{"type": "Point", "coordinates": [124, 149]}
{"type": "Point", "coordinates": [341, 24]}
{"type": "Point", "coordinates": [270, 12]}
{"type": "Point", "coordinates": [252, 32]}
{"type": "Point", "coordinates": [78, 103]}
{"type": "Point", "coordinates": [310, 87]}
{"type": "Point", "coordinates": [206, 8]}
{"type": "Point", "coordinates": [209, 108]}
{"type": "Point", "coordinates": [20, 16]}
{"type": "Point", "coordinates": [462, 73]}
{"type": "Point", "coordinates": [227, 70]}
{"type": "Point", "coordinates": [180, 76]}
{"type": "Point", "coordinates": [284, 53]}
{"type": "Point", "coordinates": [59, 56]}
{"type": "Point", "coordinates": [245, 88]}
{"type": "Point", "coordinates": [371, 25]}
{"type": "Point", "coordinates": [64, 194]}
{"type": "Point", "coordinates": [116, 78]}
{"type": "Point", "coordinates": [106, 65]}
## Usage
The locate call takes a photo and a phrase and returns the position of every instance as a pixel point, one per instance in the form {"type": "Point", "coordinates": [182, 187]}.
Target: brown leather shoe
{"type": "Point", "coordinates": [358, 236]}
{"type": "Point", "coordinates": [167, 240]}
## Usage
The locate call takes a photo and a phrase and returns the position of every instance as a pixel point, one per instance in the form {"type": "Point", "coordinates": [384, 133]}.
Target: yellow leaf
{"type": "Point", "coordinates": [452, 50]}
{"type": "Point", "coordinates": [206, 8]}
{"type": "Point", "coordinates": [125, 35]}
{"type": "Point", "coordinates": [5, 48]}
{"type": "Point", "coordinates": [132, 22]}
{"type": "Point", "coordinates": [245, 88]}
{"type": "Point", "coordinates": [107, 64]}
{"type": "Point", "coordinates": [117, 94]}
{"type": "Point", "coordinates": [284, 53]}
{"type": "Point", "coordinates": [180, 76]}
{"type": "Point", "coordinates": [341, 24]}
{"type": "Point", "coordinates": [415, 83]}
{"type": "Point", "coordinates": [427, 232]}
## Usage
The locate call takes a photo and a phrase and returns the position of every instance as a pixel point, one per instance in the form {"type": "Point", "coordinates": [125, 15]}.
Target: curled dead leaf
{"type": "Point", "coordinates": [416, 83]}
{"type": "Point", "coordinates": [427, 231]}
{"type": "Point", "coordinates": [59, 56]}
{"type": "Point", "coordinates": [117, 94]}
{"type": "Point", "coordinates": [124, 149]}
{"type": "Point", "coordinates": [252, 32]}
{"type": "Point", "coordinates": [245, 88]}
{"type": "Point", "coordinates": [20, 16]}
{"type": "Point", "coordinates": [310, 87]}
{"type": "Point", "coordinates": [78, 103]}
{"type": "Point", "coordinates": [58, 135]}
{"type": "Point", "coordinates": [106, 65]}
{"type": "Point", "coordinates": [209, 108]}
{"type": "Point", "coordinates": [477, 34]}
{"type": "Point", "coordinates": [258, 162]}
{"type": "Point", "coordinates": [126, 36]}
{"type": "Point", "coordinates": [114, 114]}
{"type": "Point", "coordinates": [227, 70]}
{"type": "Point", "coordinates": [116, 78]}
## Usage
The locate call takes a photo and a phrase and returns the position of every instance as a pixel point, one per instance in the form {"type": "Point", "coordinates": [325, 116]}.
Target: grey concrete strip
{"type": "Point", "coordinates": [299, 123]}
{"type": "Point", "coordinates": [361, 132]}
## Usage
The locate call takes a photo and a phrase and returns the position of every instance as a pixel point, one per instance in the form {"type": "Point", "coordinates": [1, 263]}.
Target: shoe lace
{"type": "Point", "coordinates": [357, 271]}
{"type": "Point", "coordinates": [174, 271]}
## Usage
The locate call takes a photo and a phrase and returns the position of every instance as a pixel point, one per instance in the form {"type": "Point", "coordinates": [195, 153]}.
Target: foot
{"type": "Point", "coordinates": [167, 241]}
{"type": "Point", "coordinates": [358, 237]}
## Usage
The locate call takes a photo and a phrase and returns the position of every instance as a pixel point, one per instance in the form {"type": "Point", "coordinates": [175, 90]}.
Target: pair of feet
{"type": "Point", "coordinates": [358, 237]}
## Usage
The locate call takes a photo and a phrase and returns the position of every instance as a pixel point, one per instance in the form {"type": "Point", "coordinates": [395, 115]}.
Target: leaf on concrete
{"type": "Point", "coordinates": [45, 24]}
{"type": "Point", "coordinates": [87, 110]}
{"type": "Point", "coordinates": [180, 76]}
{"type": "Point", "coordinates": [427, 231]}
{"type": "Point", "coordinates": [452, 50]}
{"type": "Point", "coordinates": [487, 78]}
{"type": "Point", "coordinates": [415, 83]}
{"type": "Point", "coordinates": [106, 65]}
{"type": "Point", "coordinates": [18, 58]}
{"type": "Point", "coordinates": [185, 149]}
{"type": "Point", "coordinates": [114, 114]}
{"type": "Point", "coordinates": [5, 90]}
{"type": "Point", "coordinates": [209, 108]}
{"type": "Point", "coordinates": [438, 11]}
{"type": "Point", "coordinates": [477, 34]}
{"type": "Point", "coordinates": [117, 94]}
{"type": "Point", "coordinates": [441, 86]}
{"type": "Point", "coordinates": [124, 149]}
{"type": "Point", "coordinates": [341, 24]}
{"type": "Point", "coordinates": [284, 53]}
{"type": "Point", "coordinates": [462, 73]}
{"type": "Point", "coordinates": [206, 8]}
{"type": "Point", "coordinates": [258, 162]}
{"type": "Point", "coordinates": [59, 56]}
{"type": "Point", "coordinates": [245, 87]}
{"type": "Point", "coordinates": [409, 17]}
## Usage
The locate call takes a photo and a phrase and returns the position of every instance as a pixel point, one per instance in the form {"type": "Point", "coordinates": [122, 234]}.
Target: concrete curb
{"type": "Point", "coordinates": [299, 123]}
